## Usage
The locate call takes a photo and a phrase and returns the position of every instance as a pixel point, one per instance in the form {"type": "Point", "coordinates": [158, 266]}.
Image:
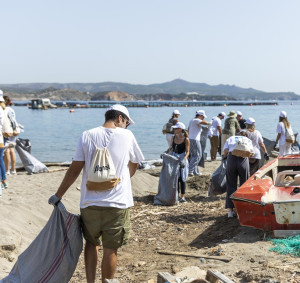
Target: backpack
{"type": "Point", "coordinates": [102, 173]}
{"type": "Point", "coordinates": [289, 135]}
{"type": "Point", "coordinates": [10, 126]}
{"type": "Point", "coordinates": [242, 149]}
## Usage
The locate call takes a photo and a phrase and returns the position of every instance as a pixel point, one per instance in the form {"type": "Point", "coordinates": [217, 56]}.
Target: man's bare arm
{"type": "Point", "coordinates": [132, 168]}
{"type": "Point", "coordinates": [70, 177]}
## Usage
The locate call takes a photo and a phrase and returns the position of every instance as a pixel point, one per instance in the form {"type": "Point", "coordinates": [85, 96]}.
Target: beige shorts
{"type": "Point", "coordinates": [109, 224]}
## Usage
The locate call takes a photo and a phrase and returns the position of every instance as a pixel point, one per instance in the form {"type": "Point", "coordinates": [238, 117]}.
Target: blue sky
{"type": "Point", "coordinates": [250, 43]}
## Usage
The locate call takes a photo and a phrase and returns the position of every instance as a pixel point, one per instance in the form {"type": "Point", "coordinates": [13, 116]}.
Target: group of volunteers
{"type": "Point", "coordinates": [236, 130]}
{"type": "Point", "coordinates": [7, 142]}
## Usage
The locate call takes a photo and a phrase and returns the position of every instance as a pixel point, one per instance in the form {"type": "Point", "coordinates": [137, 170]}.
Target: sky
{"type": "Point", "coordinates": [247, 43]}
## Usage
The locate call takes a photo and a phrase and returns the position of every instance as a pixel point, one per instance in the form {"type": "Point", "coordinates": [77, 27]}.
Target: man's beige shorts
{"type": "Point", "coordinates": [110, 224]}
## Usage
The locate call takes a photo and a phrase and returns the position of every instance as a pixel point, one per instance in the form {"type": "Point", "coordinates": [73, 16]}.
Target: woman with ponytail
{"type": "Point", "coordinates": [282, 128]}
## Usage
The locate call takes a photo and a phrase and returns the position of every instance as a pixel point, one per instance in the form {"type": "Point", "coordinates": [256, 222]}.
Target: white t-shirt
{"type": "Point", "coordinates": [122, 148]}
{"type": "Point", "coordinates": [281, 130]}
{"type": "Point", "coordinates": [231, 142]}
{"type": "Point", "coordinates": [256, 139]}
{"type": "Point", "coordinates": [215, 124]}
{"type": "Point", "coordinates": [195, 129]}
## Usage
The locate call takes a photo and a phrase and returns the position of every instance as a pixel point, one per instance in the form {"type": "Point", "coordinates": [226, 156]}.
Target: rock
{"type": "Point", "coordinates": [202, 260]}
{"type": "Point", "coordinates": [252, 260]}
{"type": "Point", "coordinates": [175, 269]}
{"type": "Point", "coordinates": [151, 281]}
{"type": "Point", "coordinates": [11, 259]}
{"type": "Point", "coordinates": [8, 247]}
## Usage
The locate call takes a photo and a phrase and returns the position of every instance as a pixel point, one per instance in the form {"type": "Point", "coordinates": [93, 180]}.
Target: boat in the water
{"type": "Point", "coordinates": [270, 199]}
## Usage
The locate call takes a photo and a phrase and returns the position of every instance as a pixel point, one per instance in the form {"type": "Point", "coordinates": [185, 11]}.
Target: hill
{"type": "Point", "coordinates": [85, 91]}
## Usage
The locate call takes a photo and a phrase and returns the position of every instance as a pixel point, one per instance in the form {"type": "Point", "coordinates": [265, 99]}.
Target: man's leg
{"type": "Point", "coordinates": [90, 258]}
{"type": "Point", "coordinates": [109, 263]}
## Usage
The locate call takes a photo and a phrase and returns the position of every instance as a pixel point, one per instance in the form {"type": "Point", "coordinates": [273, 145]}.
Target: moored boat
{"type": "Point", "coordinates": [270, 199]}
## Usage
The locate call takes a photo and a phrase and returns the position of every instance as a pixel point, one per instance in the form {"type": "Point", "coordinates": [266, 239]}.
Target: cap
{"type": "Point", "coordinates": [239, 113]}
{"type": "Point", "coordinates": [250, 121]}
{"type": "Point", "coordinates": [232, 114]}
{"type": "Point", "coordinates": [1, 98]}
{"type": "Point", "coordinates": [1, 92]}
{"type": "Point", "coordinates": [123, 109]}
{"type": "Point", "coordinates": [201, 112]}
{"type": "Point", "coordinates": [179, 125]}
{"type": "Point", "coordinates": [176, 112]}
{"type": "Point", "coordinates": [282, 114]}
{"type": "Point", "coordinates": [222, 114]}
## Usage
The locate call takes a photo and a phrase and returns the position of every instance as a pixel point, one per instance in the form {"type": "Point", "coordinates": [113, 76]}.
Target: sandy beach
{"type": "Point", "coordinates": [200, 226]}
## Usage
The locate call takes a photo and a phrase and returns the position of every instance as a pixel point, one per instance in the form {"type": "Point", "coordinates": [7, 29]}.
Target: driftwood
{"type": "Point", "coordinates": [222, 258]}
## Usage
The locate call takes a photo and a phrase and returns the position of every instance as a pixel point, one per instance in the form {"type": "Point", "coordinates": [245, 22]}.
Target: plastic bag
{"type": "Point", "coordinates": [218, 180]}
{"type": "Point", "coordinates": [53, 255]}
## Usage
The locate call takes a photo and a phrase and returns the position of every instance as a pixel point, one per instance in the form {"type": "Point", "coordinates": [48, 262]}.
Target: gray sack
{"type": "Point", "coordinates": [203, 139]}
{"type": "Point", "coordinates": [53, 255]}
{"type": "Point", "coordinates": [218, 180]}
{"type": "Point", "coordinates": [30, 163]}
{"type": "Point", "coordinates": [168, 181]}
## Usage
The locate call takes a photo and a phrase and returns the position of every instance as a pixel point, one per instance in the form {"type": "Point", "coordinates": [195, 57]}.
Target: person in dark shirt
{"type": "Point", "coordinates": [239, 117]}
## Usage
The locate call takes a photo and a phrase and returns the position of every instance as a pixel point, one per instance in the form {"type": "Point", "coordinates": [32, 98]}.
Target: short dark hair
{"type": "Point", "coordinates": [112, 115]}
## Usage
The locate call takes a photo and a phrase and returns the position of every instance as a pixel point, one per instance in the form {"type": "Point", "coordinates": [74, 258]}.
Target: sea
{"type": "Point", "coordinates": [54, 133]}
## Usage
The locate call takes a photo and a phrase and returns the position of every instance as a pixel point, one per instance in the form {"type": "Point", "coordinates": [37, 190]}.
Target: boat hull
{"type": "Point", "coordinates": [264, 203]}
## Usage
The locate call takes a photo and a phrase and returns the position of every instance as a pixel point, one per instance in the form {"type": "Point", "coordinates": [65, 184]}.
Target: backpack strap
{"type": "Point", "coordinates": [88, 133]}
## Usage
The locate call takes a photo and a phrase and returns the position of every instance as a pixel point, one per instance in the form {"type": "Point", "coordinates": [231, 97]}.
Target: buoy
{"type": "Point", "coordinates": [251, 104]}
{"type": "Point", "coordinates": [185, 105]}
{"type": "Point", "coordinates": [72, 110]}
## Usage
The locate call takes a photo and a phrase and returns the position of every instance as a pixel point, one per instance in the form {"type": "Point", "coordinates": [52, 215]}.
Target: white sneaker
{"type": "Point", "coordinates": [13, 172]}
{"type": "Point", "coordinates": [191, 174]}
{"type": "Point", "coordinates": [230, 214]}
{"type": "Point", "coordinates": [7, 173]}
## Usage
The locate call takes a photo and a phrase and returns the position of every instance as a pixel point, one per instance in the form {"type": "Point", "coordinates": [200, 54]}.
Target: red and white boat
{"type": "Point", "coordinates": [270, 199]}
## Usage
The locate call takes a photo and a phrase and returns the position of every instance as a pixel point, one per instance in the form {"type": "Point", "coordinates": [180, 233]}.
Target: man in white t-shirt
{"type": "Point", "coordinates": [195, 130]}
{"type": "Point", "coordinates": [105, 214]}
{"type": "Point", "coordinates": [216, 134]}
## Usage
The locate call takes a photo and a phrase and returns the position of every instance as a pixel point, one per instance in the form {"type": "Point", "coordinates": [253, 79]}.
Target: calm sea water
{"type": "Point", "coordinates": [54, 133]}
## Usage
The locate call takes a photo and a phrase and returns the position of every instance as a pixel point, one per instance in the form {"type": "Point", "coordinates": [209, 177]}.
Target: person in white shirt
{"type": "Point", "coordinates": [195, 130]}
{"type": "Point", "coordinates": [168, 130]}
{"type": "Point", "coordinates": [216, 135]}
{"type": "Point", "coordinates": [237, 167]}
{"type": "Point", "coordinates": [257, 143]}
{"type": "Point", "coordinates": [284, 124]}
{"type": "Point", "coordinates": [105, 213]}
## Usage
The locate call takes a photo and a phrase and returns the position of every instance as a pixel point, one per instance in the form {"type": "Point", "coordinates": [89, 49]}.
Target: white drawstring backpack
{"type": "Point", "coordinates": [102, 173]}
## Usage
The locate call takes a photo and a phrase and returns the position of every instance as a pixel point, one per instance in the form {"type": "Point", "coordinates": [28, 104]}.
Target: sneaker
{"type": "Point", "coordinates": [7, 173]}
{"type": "Point", "coordinates": [197, 174]}
{"type": "Point", "coordinates": [182, 200]}
{"type": "Point", "coordinates": [13, 172]}
{"type": "Point", "coordinates": [5, 186]}
{"type": "Point", "coordinates": [230, 214]}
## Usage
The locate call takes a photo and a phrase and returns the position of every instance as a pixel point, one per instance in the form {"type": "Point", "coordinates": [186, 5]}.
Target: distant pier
{"type": "Point", "coordinates": [148, 104]}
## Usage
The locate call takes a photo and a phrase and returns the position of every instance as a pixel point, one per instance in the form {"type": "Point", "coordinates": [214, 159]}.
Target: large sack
{"type": "Point", "coordinates": [30, 163]}
{"type": "Point", "coordinates": [53, 255]}
{"type": "Point", "coordinates": [168, 181]}
{"type": "Point", "coordinates": [203, 139]}
{"type": "Point", "coordinates": [218, 180]}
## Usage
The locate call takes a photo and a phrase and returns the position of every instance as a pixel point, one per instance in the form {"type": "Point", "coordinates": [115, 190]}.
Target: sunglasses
{"type": "Point", "coordinates": [127, 122]}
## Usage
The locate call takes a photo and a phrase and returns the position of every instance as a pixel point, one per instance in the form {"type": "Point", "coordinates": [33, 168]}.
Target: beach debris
{"type": "Point", "coordinates": [221, 258]}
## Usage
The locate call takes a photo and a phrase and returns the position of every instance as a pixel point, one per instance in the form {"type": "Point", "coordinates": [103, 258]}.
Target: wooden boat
{"type": "Point", "coordinates": [270, 199]}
